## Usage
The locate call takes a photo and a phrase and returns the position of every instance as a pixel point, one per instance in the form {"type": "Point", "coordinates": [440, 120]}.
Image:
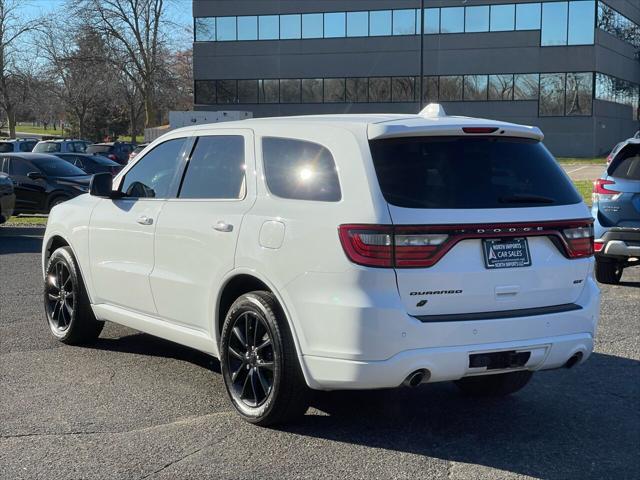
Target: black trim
{"type": "Point", "coordinates": [524, 312]}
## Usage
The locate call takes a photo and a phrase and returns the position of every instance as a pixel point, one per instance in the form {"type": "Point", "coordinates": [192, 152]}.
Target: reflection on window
{"type": "Point", "coordinates": [290, 27]}
{"type": "Point", "coordinates": [526, 86]}
{"type": "Point", "coordinates": [205, 92]}
{"type": "Point", "coordinates": [403, 89]}
{"type": "Point", "coordinates": [380, 23]}
{"type": "Point", "coordinates": [226, 29]}
{"type": "Point", "coordinates": [248, 28]}
{"type": "Point", "coordinates": [452, 20]}
{"type": "Point", "coordinates": [290, 91]}
{"type": "Point", "coordinates": [501, 87]}
{"type": "Point", "coordinates": [554, 23]}
{"type": "Point", "coordinates": [334, 90]}
{"type": "Point", "coordinates": [528, 16]}
{"type": "Point", "coordinates": [475, 87]}
{"type": "Point", "coordinates": [615, 90]}
{"type": "Point", "coordinates": [502, 18]}
{"type": "Point", "coordinates": [579, 94]}
{"type": "Point", "coordinates": [451, 88]}
{"type": "Point", "coordinates": [268, 91]}
{"type": "Point", "coordinates": [248, 91]}
{"type": "Point", "coordinates": [268, 27]}
{"type": "Point", "coordinates": [430, 89]}
{"type": "Point", "coordinates": [312, 25]}
{"type": "Point", "coordinates": [380, 89]}
{"type": "Point", "coordinates": [205, 29]}
{"type": "Point", "coordinates": [311, 90]}
{"type": "Point", "coordinates": [613, 22]}
{"type": "Point", "coordinates": [334, 25]}
{"type": "Point", "coordinates": [227, 91]}
{"type": "Point", "coordinates": [431, 20]}
{"type": "Point", "coordinates": [477, 19]}
{"type": "Point", "coordinates": [357, 24]}
{"type": "Point", "coordinates": [404, 22]}
{"type": "Point", "coordinates": [581, 22]}
{"type": "Point", "coordinates": [357, 90]}
{"type": "Point", "coordinates": [552, 94]}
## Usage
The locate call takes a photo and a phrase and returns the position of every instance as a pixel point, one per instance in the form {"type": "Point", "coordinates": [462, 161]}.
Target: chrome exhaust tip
{"type": "Point", "coordinates": [416, 378]}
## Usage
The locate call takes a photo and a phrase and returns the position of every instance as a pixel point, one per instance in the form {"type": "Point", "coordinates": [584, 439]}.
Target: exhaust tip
{"type": "Point", "coordinates": [574, 360]}
{"type": "Point", "coordinates": [416, 378]}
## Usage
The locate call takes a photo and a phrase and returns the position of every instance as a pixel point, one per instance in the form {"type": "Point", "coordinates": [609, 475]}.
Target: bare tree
{"type": "Point", "coordinates": [13, 30]}
{"type": "Point", "coordinates": [134, 30]}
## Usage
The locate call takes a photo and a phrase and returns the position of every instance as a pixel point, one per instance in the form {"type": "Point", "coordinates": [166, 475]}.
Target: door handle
{"type": "Point", "coordinates": [223, 227]}
{"type": "Point", "coordinates": [144, 220]}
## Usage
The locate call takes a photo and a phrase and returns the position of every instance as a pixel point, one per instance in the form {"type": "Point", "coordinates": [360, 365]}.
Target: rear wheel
{"type": "Point", "coordinates": [259, 362]}
{"type": "Point", "coordinates": [497, 385]}
{"type": "Point", "coordinates": [608, 272]}
{"type": "Point", "coordinates": [66, 302]}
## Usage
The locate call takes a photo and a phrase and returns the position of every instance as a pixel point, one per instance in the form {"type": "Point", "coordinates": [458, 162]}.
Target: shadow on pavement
{"type": "Point", "coordinates": [20, 240]}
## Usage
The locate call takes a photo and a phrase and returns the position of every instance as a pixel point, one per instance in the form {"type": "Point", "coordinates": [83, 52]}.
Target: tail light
{"type": "Point", "coordinates": [111, 156]}
{"type": "Point", "coordinates": [600, 190]}
{"type": "Point", "coordinates": [479, 130]}
{"type": "Point", "coordinates": [423, 246]}
{"type": "Point", "coordinates": [598, 246]}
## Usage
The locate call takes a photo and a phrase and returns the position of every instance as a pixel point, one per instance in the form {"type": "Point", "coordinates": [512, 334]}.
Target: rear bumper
{"type": "Point", "coordinates": [443, 364]}
{"type": "Point", "coordinates": [620, 242]}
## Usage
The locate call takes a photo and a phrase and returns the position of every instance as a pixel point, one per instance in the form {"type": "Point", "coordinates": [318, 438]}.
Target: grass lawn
{"type": "Point", "coordinates": [38, 130]}
{"type": "Point", "coordinates": [26, 221]}
{"type": "Point", "coordinates": [582, 161]}
{"type": "Point", "coordinates": [585, 188]}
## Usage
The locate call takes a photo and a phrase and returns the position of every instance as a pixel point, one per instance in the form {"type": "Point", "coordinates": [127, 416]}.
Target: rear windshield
{"type": "Point", "coordinates": [463, 172]}
{"type": "Point", "coordinates": [100, 160]}
{"type": "Point", "coordinates": [627, 164]}
{"type": "Point", "coordinates": [57, 167]}
{"type": "Point", "coordinates": [99, 148]}
{"type": "Point", "coordinates": [47, 147]}
{"type": "Point", "coordinates": [6, 147]}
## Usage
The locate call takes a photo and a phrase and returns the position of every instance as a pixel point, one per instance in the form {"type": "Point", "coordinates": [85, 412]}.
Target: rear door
{"type": "Point", "coordinates": [481, 223]}
{"type": "Point", "coordinates": [197, 232]}
{"type": "Point", "coordinates": [619, 198]}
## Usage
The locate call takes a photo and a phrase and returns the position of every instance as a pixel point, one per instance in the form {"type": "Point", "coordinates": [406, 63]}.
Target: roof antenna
{"type": "Point", "coordinates": [433, 110]}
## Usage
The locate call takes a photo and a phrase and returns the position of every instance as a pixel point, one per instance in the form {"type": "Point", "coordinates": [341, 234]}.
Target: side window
{"type": "Point", "coordinates": [216, 169]}
{"type": "Point", "coordinates": [151, 177]}
{"type": "Point", "coordinates": [300, 170]}
{"type": "Point", "coordinates": [20, 167]}
{"type": "Point", "coordinates": [4, 165]}
{"type": "Point", "coordinates": [80, 147]}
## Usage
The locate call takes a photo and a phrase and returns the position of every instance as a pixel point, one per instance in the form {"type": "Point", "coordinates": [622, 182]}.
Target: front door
{"type": "Point", "coordinates": [121, 233]}
{"type": "Point", "coordinates": [30, 193]}
{"type": "Point", "coordinates": [197, 232]}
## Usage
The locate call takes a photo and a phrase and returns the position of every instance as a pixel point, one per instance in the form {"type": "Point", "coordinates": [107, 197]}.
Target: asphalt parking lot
{"type": "Point", "coordinates": [135, 407]}
{"type": "Point", "coordinates": [583, 172]}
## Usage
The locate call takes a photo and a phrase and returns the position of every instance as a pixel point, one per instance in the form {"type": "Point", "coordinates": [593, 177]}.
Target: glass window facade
{"type": "Point", "coordinates": [616, 24]}
{"type": "Point", "coordinates": [558, 94]}
{"type": "Point", "coordinates": [562, 23]}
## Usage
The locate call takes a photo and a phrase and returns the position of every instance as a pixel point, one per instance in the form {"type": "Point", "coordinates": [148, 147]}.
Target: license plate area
{"type": "Point", "coordinates": [506, 253]}
{"type": "Point", "coordinates": [499, 360]}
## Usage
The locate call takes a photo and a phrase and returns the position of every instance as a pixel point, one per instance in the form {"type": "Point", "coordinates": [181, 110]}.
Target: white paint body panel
{"type": "Point", "coordinates": [352, 325]}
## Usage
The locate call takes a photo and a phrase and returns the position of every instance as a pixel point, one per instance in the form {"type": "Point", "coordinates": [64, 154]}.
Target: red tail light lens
{"type": "Point", "coordinates": [598, 246]}
{"type": "Point", "coordinates": [111, 156]}
{"type": "Point", "coordinates": [600, 184]}
{"type": "Point", "coordinates": [479, 130]}
{"type": "Point", "coordinates": [423, 246]}
{"type": "Point", "coordinates": [579, 241]}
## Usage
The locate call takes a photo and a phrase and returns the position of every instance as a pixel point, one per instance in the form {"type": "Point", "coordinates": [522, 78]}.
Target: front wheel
{"type": "Point", "coordinates": [66, 302]}
{"type": "Point", "coordinates": [259, 362]}
{"type": "Point", "coordinates": [608, 272]}
{"type": "Point", "coordinates": [496, 385]}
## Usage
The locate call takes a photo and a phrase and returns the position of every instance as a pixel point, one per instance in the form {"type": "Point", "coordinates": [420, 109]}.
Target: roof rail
{"type": "Point", "coordinates": [433, 110]}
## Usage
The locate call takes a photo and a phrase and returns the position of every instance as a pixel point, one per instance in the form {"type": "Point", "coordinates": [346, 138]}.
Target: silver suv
{"type": "Point", "coordinates": [62, 146]}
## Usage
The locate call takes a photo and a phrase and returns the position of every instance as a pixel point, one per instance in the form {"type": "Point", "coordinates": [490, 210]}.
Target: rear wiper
{"type": "Point", "coordinates": [526, 199]}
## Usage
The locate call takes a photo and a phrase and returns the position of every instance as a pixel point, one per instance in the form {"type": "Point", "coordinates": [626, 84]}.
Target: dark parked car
{"type": "Point", "coordinates": [41, 181]}
{"type": "Point", "coordinates": [116, 151]}
{"type": "Point", "coordinates": [91, 163]}
{"type": "Point", "coordinates": [616, 209]}
{"type": "Point", "coordinates": [7, 198]}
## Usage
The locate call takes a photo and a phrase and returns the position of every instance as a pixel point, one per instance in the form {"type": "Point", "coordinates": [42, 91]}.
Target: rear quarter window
{"type": "Point", "coordinates": [6, 147]}
{"type": "Point", "coordinates": [469, 172]}
{"type": "Point", "coordinates": [627, 164]}
{"type": "Point", "coordinates": [300, 170]}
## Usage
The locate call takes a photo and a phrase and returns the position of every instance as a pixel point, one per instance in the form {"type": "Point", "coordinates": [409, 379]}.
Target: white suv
{"type": "Point", "coordinates": [335, 252]}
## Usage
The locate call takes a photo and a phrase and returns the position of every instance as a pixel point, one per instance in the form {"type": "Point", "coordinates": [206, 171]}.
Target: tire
{"type": "Point", "coordinates": [608, 272]}
{"type": "Point", "coordinates": [68, 309]}
{"type": "Point", "coordinates": [498, 385]}
{"type": "Point", "coordinates": [259, 362]}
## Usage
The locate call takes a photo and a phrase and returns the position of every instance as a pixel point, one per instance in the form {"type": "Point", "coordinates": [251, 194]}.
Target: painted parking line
{"type": "Point", "coordinates": [577, 169]}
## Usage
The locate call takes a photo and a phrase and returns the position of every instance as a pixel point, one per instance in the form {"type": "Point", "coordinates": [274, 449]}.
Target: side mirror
{"type": "Point", "coordinates": [101, 186]}
{"type": "Point", "coordinates": [35, 175]}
